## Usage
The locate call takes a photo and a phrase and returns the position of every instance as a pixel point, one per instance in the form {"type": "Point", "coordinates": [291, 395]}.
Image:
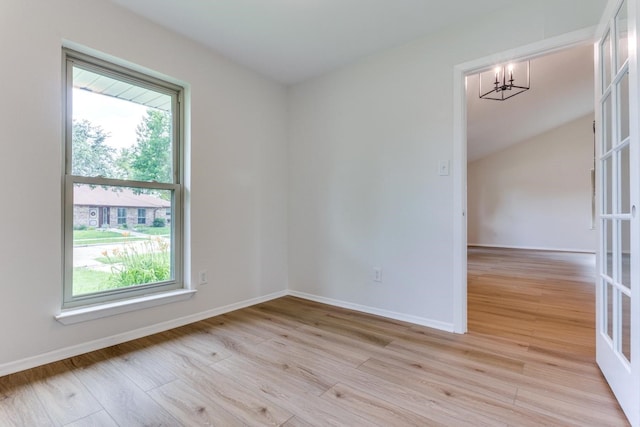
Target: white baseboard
{"type": "Point", "coordinates": [430, 323]}
{"type": "Point", "coordinates": [64, 353]}
{"type": "Point", "coordinates": [530, 248]}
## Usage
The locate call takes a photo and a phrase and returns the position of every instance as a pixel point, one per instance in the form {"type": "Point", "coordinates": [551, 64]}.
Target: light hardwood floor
{"type": "Point", "coordinates": [527, 361]}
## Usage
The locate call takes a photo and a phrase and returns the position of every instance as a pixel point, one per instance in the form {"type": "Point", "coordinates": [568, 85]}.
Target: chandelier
{"type": "Point", "coordinates": [505, 81]}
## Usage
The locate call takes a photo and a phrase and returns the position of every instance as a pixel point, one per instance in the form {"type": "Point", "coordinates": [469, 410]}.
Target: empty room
{"type": "Point", "coordinates": [258, 213]}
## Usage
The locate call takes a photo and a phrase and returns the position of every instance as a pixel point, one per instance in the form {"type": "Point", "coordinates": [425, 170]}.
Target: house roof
{"type": "Point", "coordinates": [86, 195]}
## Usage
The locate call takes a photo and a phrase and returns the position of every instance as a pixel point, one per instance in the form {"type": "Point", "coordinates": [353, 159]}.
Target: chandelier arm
{"type": "Point", "coordinates": [502, 85]}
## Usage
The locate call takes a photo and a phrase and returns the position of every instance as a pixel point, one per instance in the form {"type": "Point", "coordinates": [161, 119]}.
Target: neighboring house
{"type": "Point", "coordinates": [100, 207]}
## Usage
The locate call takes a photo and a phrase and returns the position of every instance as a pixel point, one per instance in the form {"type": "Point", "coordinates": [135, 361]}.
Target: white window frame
{"type": "Point", "coordinates": [73, 58]}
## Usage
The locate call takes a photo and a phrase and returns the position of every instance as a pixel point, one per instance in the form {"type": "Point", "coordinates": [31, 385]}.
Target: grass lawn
{"type": "Point", "coordinates": [154, 231]}
{"type": "Point", "coordinates": [109, 260]}
{"type": "Point", "coordinates": [86, 281]}
{"type": "Point", "coordinates": [94, 237]}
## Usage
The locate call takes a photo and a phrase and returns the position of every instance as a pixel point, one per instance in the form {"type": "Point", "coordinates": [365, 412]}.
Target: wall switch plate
{"type": "Point", "coordinates": [202, 277]}
{"type": "Point", "coordinates": [443, 167]}
{"type": "Point", "coordinates": [377, 274]}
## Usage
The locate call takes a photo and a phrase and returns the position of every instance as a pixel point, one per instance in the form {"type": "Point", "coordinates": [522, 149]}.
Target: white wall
{"type": "Point", "coordinates": [360, 178]}
{"type": "Point", "coordinates": [365, 142]}
{"type": "Point", "coordinates": [237, 189]}
{"type": "Point", "coordinates": [535, 194]}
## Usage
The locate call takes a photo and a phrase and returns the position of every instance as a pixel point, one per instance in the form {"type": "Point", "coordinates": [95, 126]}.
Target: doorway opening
{"type": "Point", "coordinates": [506, 234]}
{"type": "Point", "coordinates": [531, 257]}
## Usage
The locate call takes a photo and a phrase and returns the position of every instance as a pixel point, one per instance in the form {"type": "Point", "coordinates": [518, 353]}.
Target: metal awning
{"type": "Point", "coordinates": [97, 83]}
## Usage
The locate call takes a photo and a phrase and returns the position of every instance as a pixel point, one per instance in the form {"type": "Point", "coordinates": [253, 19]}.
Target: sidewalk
{"type": "Point", "coordinates": [85, 256]}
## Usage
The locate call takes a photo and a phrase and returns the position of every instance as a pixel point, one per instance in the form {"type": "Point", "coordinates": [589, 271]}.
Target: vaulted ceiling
{"type": "Point", "coordinates": [293, 40]}
{"type": "Point", "coordinates": [562, 89]}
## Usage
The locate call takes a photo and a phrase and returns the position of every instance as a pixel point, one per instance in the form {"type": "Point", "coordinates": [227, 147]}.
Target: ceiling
{"type": "Point", "coordinates": [562, 89]}
{"type": "Point", "coordinates": [293, 40]}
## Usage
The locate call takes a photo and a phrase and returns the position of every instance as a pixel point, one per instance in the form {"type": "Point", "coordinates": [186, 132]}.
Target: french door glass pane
{"type": "Point", "coordinates": [607, 184]}
{"type": "Point", "coordinates": [108, 255]}
{"type": "Point", "coordinates": [625, 184]}
{"type": "Point", "coordinates": [608, 306]}
{"type": "Point", "coordinates": [605, 54]}
{"type": "Point", "coordinates": [625, 254]}
{"type": "Point", "coordinates": [607, 129]}
{"type": "Point", "coordinates": [626, 326]}
{"type": "Point", "coordinates": [623, 99]}
{"type": "Point", "coordinates": [608, 238]}
{"type": "Point", "coordinates": [621, 35]}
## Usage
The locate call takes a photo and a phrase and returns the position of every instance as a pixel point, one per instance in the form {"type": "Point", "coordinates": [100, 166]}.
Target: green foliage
{"type": "Point", "coordinates": [90, 155]}
{"type": "Point", "coordinates": [149, 160]}
{"type": "Point", "coordinates": [123, 163]}
{"type": "Point", "coordinates": [80, 227]}
{"type": "Point", "coordinates": [138, 264]}
{"type": "Point", "coordinates": [159, 222]}
{"type": "Point", "coordinates": [108, 259]}
{"type": "Point", "coordinates": [151, 157]}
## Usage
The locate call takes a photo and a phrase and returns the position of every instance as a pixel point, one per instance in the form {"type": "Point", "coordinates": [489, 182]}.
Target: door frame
{"type": "Point", "coordinates": [459, 164]}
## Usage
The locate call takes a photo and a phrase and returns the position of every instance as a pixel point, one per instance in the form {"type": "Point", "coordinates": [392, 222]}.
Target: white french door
{"type": "Point", "coordinates": [618, 285]}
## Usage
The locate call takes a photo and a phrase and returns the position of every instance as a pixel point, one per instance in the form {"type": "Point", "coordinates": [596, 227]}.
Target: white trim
{"type": "Point", "coordinates": [459, 308]}
{"type": "Point", "coordinates": [63, 353]}
{"type": "Point", "coordinates": [70, 44]}
{"type": "Point", "coordinates": [92, 312]}
{"type": "Point", "coordinates": [75, 350]}
{"type": "Point", "coordinates": [543, 47]}
{"type": "Point", "coordinates": [96, 64]}
{"type": "Point", "coordinates": [531, 248]}
{"type": "Point", "coordinates": [430, 323]}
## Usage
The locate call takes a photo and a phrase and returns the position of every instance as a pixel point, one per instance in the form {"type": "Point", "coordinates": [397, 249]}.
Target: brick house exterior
{"type": "Point", "coordinates": [111, 207]}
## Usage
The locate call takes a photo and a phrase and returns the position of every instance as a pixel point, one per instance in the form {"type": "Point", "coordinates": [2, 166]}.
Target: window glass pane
{"type": "Point", "coordinates": [122, 186]}
{"type": "Point", "coordinates": [120, 130]}
{"type": "Point", "coordinates": [107, 255]}
{"type": "Point", "coordinates": [622, 37]}
{"type": "Point", "coordinates": [623, 97]}
{"type": "Point", "coordinates": [626, 326]}
{"type": "Point", "coordinates": [122, 216]}
{"type": "Point", "coordinates": [142, 216]}
{"type": "Point", "coordinates": [605, 55]}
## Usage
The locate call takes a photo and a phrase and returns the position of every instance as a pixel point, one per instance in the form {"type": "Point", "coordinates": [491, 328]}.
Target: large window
{"type": "Point", "coordinates": [122, 216]}
{"type": "Point", "coordinates": [123, 148]}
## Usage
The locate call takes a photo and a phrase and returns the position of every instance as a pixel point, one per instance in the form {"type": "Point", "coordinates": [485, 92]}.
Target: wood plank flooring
{"type": "Point", "coordinates": [527, 361]}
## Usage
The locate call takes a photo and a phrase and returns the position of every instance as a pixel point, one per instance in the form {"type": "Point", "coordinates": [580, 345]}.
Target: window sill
{"type": "Point", "coordinates": [84, 314]}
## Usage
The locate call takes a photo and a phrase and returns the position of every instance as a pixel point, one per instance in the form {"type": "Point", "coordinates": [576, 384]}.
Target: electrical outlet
{"type": "Point", "coordinates": [202, 277]}
{"type": "Point", "coordinates": [377, 274]}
